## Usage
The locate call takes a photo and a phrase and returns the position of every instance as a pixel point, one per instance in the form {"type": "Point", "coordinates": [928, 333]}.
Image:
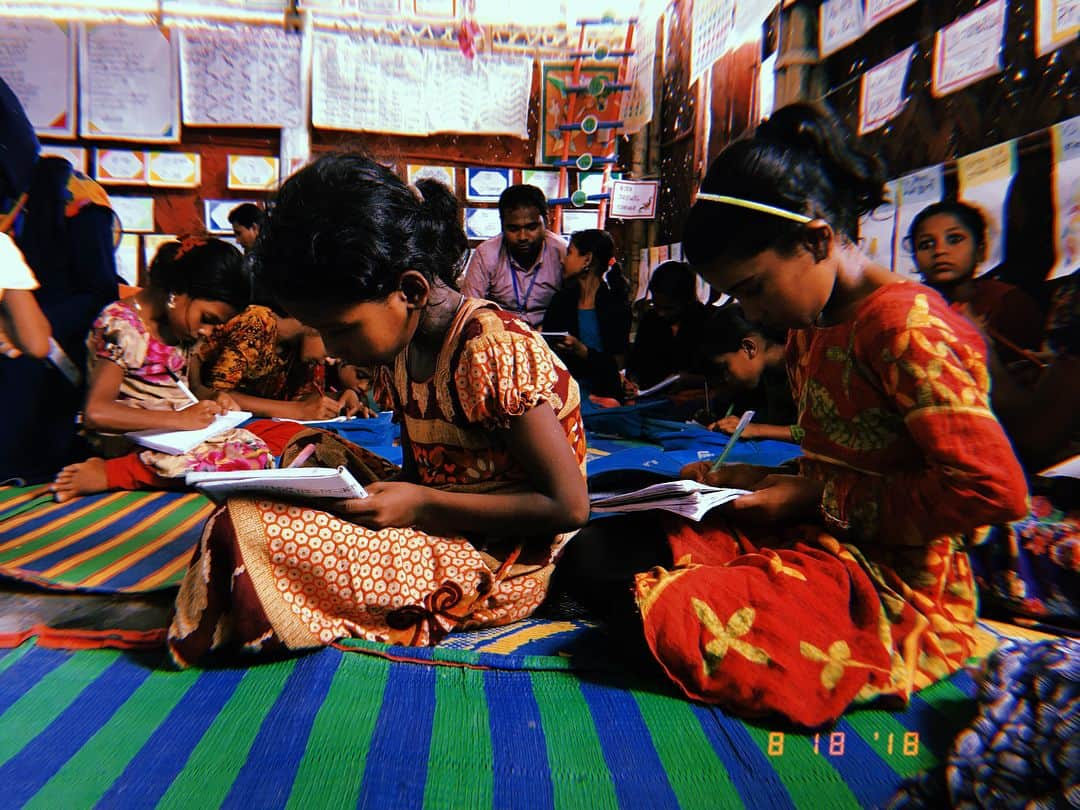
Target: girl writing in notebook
{"type": "Point", "coordinates": [138, 354]}
{"type": "Point", "coordinates": [492, 484]}
{"type": "Point", "coordinates": [846, 580]}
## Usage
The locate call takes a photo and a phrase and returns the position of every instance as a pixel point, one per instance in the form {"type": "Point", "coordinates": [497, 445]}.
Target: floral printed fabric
{"type": "Point", "coordinates": [894, 403]}
{"type": "Point", "coordinates": [271, 576]}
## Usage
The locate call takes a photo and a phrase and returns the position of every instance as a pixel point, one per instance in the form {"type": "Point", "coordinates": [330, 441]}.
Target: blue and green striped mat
{"type": "Point", "coordinates": [333, 729]}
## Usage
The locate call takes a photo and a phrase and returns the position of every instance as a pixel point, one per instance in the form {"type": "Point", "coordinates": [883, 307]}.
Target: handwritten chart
{"type": "Point", "coordinates": [969, 49]}
{"type": "Point", "coordinates": [881, 96]}
{"type": "Point", "coordinates": [241, 76]}
{"type": "Point", "coordinates": [37, 61]}
{"type": "Point", "coordinates": [128, 79]}
{"type": "Point", "coordinates": [839, 24]}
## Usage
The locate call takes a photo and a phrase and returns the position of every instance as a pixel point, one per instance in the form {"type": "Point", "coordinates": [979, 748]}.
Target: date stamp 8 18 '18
{"type": "Point", "coordinates": [833, 744]}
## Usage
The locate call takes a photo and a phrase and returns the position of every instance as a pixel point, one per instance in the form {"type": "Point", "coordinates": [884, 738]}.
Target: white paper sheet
{"type": "Point", "coordinates": [298, 482]}
{"type": "Point", "coordinates": [878, 10]}
{"type": "Point", "coordinates": [711, 27]}
{"type": "Point", "coordinates": [180, 441]}
{"type": "Point", "coordinates": [969, 49]}
{"type": "Point", "coordinates": [241, 76]}
{"type": "Point", "coordinates": [882, 91]}
{"type": "Point", "coordinates": [1057, 22]}
{"type": "Point", "coordinates": [128, 79]}
{"type": "Point", "coordinates": [37, 61]}
{"type": "Point", "coordinates": [840, 22]}
{"type": "Point", "coordinates": [1065, 145]}
{"type": "Point", "coordinates": [983, 178]}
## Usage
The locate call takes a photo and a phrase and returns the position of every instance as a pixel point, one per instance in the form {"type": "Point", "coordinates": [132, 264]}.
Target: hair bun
{"type": "Point", "coordinates": [439, 201]}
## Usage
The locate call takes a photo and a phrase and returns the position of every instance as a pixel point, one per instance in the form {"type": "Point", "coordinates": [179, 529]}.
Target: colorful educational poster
{"type": "Point", "coordinates": [37, 61]}
{"type": "Point", "coordinates": [917, 190]}
{"type": "Point", "coordinates": [482, 223]}
{"type": "Point", "coordinates": [546, 181]}
{"type": "Point", "coordinates": [151, 242]}
{"type": "Point", "coordinates": [840, 22]}
{"type": "Point", "coordinates": [969, 49]}
{"type": "Point", "coordinates": [1065, 144]}
{"type": "Point", "coordinates": [444, 174]}
{"type": "Point", "coordinates": [1057, 22]}
{"type": "Point", "coordinates": [710, 30]}
{"type": "Point", "coordinates": [128, 83]}
{"type": "Point", "coordinates": [363, 85]}
{"type": "Point", "coordinates": [637, 105]}
{"type": "Point", "coordinates": [556, 103]}
{"type": "Point", "coordinates": [983, 179]}
{"type": "Point", "coordinates": [881, 96]}
{"type": "Point", "coordinates": [217, 214]}
{"type": "Point", "coordinates": [77, 156]}
{"type": "Point", "coordinates": [580, 220]}
{"type": "Point", "coordinates": [120, 166]}
{"type": "Point", "coordinates": [127, 258]}
{"type": "Point", "coordinates": [877, 230]}
{"type": "Point", "coordinates": [136, 213]}
{"type": "Point", "coordinates": [878, 10]}
{"type": "Point", "coordinates": [241, 76]}
{"type": "Point", "coordinates": [486, 184]}
{"type": "Point", "coordinates": [174, 169]}
{"type": "Point", "coordinates": [634, 199]}
{"type": "Point", "coordinates": [253, 172]}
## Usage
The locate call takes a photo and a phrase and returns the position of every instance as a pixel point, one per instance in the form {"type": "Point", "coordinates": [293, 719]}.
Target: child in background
{"type": "Point", "coordinates": [592, 306]}
{"type": "Point", "coordinates": [742, 358]}
{"type": "Point", "coordinates": [846, 581]}
{"type": "Point", "coordinates": [948, 242]}
{"type": "Point", "coordinates": [494, 448]}
{"type": "Point", "coordinates": [669, 333]}
{"type": "Point", "coordinates": [138, 350]}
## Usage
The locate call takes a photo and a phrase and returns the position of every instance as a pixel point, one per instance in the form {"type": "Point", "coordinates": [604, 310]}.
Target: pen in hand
{"type": "Point", "coordinates": [194, 400]}
{"type": "Point", "coordinates": [746, 417]}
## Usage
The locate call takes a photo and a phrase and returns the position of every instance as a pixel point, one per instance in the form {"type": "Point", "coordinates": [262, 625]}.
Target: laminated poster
{"type": "Point", "coordinates": [136, 213]}
{"type": "Point", "coordinates": [983, 178]}
{"type": "Point", "coordinates": [969, 49]}
{"type": "Point", "coordinates": [840, 22]}
{"type": "Point", "coordinates": [112, 166]}
{"type": "Point", "coordinates": [482, 223]}
{"type": "Point", "coordinates": [1065, 143]}
{"type": "Point", "coordinates": [174, 169]}
{"type": "Point", "coordinates": [580, 220]}
{"type": "Point", "coordinates": [917, 190]}
{"type": "Point", "coordinates": [546, 181]}
{"type": "Point", "coordinates": [1057, 22]}
{"type": "Point", "coordinates": [881, 97]}
{"type": "Point", "coordinates": [878, 10]}
{"type": "Point", "coordinates": [129, 86]}
{"type": "Point", "coordinates": [486, 184]}
{"type": "Point", "coordinates": [253, 172]}
{"type": "Point", "coordinates": [37, 61]}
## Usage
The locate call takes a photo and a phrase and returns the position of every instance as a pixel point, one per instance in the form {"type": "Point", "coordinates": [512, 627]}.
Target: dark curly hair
{"type": "Point", "coordinates": [344, 229]}
{"type": "Point", "coordinates": [210, 269]}
{"type": "Point", "coordinates": [802, 160]}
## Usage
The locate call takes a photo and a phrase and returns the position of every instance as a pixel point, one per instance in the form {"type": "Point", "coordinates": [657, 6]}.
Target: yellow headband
{"type": "Point", "coordinates": [755, 206]}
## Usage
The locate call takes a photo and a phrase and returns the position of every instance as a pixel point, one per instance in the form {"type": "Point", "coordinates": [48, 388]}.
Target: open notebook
{"type": "Point", "coordinates": [687, 498]}
{"type": "Point", "coordinates": [293, 482]}
{"type": "Point", "coordinates": [180, 441]}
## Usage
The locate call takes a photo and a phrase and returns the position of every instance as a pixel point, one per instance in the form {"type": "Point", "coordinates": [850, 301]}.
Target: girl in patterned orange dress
{"type": "Point", "coordinates": [493, 481]}
{"type": "Point", "coordinates": [848, 580]}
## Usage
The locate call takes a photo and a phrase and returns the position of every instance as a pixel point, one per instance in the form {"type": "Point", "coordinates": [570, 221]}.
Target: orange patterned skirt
{"type": "Point", "coordinates": [271, 576]}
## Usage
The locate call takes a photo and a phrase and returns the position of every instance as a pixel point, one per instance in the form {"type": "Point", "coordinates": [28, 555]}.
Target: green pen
{"type": "Point", "coordinates": [746, 417]}
{"type": "Point", "coordinates": [730, 410]}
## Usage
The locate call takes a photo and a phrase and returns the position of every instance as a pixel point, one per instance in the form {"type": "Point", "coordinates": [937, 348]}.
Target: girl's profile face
{"type": "Point", "coordinates": [192, 318]}
{"type": "Point", "coordinates": [945, 250]}
{"type": "Point", "coordinates": [368, 333]}
{"type": "Point", "coordinates": [575, 263]}
{"type": "Point", "coordinates": [742, 368]}
{"type": "Point", "coordinates": [784, 292]}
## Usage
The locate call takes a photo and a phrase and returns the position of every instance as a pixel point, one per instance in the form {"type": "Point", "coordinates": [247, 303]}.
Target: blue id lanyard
{"type": "Point", "coordinates": [522, 306]}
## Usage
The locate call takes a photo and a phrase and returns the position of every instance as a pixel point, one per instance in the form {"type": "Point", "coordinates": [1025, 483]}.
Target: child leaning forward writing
{"type": "Point", "coordinates": [138, 356]}
{"type": "Point", "coordinates": [492, 484]}
{"type": "Point", "coordinates": [847, 581]}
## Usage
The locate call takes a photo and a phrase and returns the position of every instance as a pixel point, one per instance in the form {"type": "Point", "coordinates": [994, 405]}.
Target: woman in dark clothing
{"type": "Point", "coordinates": [592, 309]}
{"type": "Point", "coordinates": [669, 333]}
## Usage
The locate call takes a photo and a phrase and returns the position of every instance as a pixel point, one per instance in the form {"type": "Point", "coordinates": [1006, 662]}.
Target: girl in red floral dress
{"type": "Point", "coordinates": [493, 478]}
{"type": "Point", "coordinates": [846, 580]}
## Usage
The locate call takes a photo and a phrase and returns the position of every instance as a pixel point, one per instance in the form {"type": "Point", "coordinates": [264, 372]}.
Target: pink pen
{"type": "Point", "coordinates": [303, 456]}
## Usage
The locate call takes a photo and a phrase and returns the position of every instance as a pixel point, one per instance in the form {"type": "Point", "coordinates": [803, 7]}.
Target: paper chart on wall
{"type": "Point", "coordinates": [881, 94]}
{"type": "Point", "coordinates": [370, 86]}
{"type": "Point", "coordinates": [878, 10]}
{"type": "Point", "coordinates": [637, 109]}
{"type": "Point", "coordinates": [711, 27]}
{"type": "Point", "coordinates": [877, 229]}
{"type": "Point", "coordinates": [1057, 22]}
{"type": "Point", "coordinates": [241, 76]}
{"type": "Point", "coordinates": [917, 190]}
{"type": "Point", "coordinates": [136, 213]}
{"type": "Point", "coordinates": [840, 22]}
{"type": "Point", "coordinates": [969, 49]}
{"type": "Point", "coordinates": [983, 178]}
{"type": "Point", "coordinates": [1065, 144]}
{"type": "Point", "coordinates": [37, 61]}
{"type": "Point", "coordinates": [128, 80]}
{"type": "Point", "coordinates": [77, 156]}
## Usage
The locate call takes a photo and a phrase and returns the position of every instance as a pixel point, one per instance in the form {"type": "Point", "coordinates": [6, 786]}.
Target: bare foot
{"type": "Point", "coordinates": [85, 478]}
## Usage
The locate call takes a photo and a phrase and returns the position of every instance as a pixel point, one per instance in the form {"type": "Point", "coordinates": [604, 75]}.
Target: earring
{"type": "Point", "coordinates": [171, 302]}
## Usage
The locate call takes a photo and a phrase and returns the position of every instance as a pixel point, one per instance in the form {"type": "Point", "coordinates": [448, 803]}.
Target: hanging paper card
{"type": "Point", "coordinates": [878, 10]}
{"type": "Point", "coordinates": [882, 95]}
{"type": "Point", "coordinates": [711, 27]}
{"type": "Point", "coordinates": [217, 214]}
{"type": "Point", "coordinates": [548, 182]}
{"type": "Point", "coordinates": [878, 228]}
{"type": "Point", "coordinates": [840, 22]}
{"type": "Point", "coordinates": [128, 83]}
{"type": "Point", "coordinates": [37, 61]}
{"type": "Point", "coordinates": [136, 213]}
{"type": "Point", "coordinates": [969, 49]}
{"type": "Point", "coordinates": [174, 169]}
{"type": "Point", "coordinates": [593, 182]}
{"type": "Point", "coordinates": [75, 155]}
{"type": "Point", "coordinates": [482, 223]}
{"type": "Point", "coordinates": [634, 199]}
{"type": "Point", "coordinates": [580, 220]}
{"type": "Point", "coordinates": [486, 184]}
{"type": "Point", "coordinates": [253, 172]}
{"type": "Point", "coordinates": [151, 242]}
{"type": "Point", "coordinates": [243, 76]}
{"type": "Point", "coordinates": [1057, 22]}
{"type": "Point", "coordinates": [983, 179]}
{"type": "Point", "coordinates": [444, 174]}
{"type": "Point", "coordinates": [637, 106]}
{"type": "Point", "coordinates": [1065, 142]}
{"type": "Point", "coordinates": [917, 190]}
{"type": "Point", "coordinates": [127, 258]}
{"type": "Point", "coordinates": [120, 166]}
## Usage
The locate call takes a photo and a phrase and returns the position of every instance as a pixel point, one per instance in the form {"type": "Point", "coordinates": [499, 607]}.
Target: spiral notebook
{"type": "Point", "coordinates": [687, 498]}
{"type": "Point", "coordinates": [292, 482]}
